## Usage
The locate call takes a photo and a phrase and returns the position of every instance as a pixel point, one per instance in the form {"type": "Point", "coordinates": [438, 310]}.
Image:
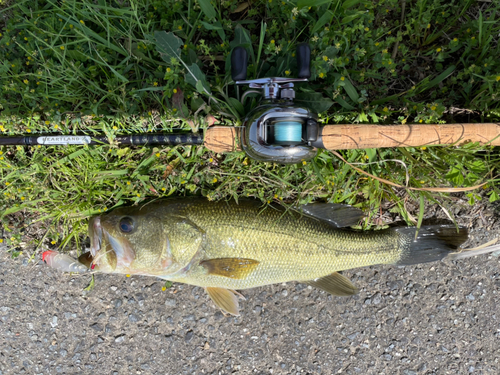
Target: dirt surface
{"type": "Point", "coordinates": [436, 318]}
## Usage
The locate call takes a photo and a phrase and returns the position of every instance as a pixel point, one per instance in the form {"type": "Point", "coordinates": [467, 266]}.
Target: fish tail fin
{"type": "Point", "coordinates": [433, 242]}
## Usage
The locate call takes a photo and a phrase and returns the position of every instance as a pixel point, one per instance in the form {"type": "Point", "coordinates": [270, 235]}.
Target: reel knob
{"type": "Point", "coordinates": [304, 60]}
{"type": "Point", "coordinates": [239, 62]}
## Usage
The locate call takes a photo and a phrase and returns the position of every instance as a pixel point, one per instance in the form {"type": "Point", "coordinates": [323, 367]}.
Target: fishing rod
{"type": "Point", "coordinates": [279, 131]}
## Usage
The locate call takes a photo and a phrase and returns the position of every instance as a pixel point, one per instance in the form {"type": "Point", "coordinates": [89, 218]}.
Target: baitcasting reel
{"type": "Point", "coordinates": [277, 130]}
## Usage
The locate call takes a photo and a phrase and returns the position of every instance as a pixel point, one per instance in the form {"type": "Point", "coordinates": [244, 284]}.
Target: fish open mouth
{"type": "Point", "coordinates": [117, 252]}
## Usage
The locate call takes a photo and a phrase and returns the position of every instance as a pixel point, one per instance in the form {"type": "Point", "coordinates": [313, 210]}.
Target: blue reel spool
{"type": "Point", "coordinates": [287, 132]}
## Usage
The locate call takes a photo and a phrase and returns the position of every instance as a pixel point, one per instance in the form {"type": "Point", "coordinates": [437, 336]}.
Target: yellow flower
{"type": "Point", "coordinates": [1, 240]}
{"type": "Point", "coordinates": [455, 39]}
{"type": "Point", "coordinates": [342, 78]}
{"type": "Point", "coordinates": [38, 83]}
{"type": "Point", "coordinates": [47, 122]}
{"type": "Point", "coordinates": [53, 242]}
{"type": "Point", "coordinates": [272, 41]}
{"type": "Point", "coordinates": [214, 180]}
{"type": "Point", "coordinates": [423, 148]}
{"type": "Point", "coordinates": [169, 70]}
{"type": "Point", "coordinates": [128, 182]}
{"type": "Point", "coordinates": [22, 198]}
{"type": "Point", "coordinates": [304, 162]}
{"type": "Point", "coordinates": [157, 154]}
{"type": "Point", "coordinates": [163, 189]}
{"type": "Point", "coordinates": [155, 83]}
{"type": "Point", "coordinates": [163, 288]}
{"type": "Point", "coordinates": [473, 38]}
{"type": "Point", "coordinates": [287, 72]}
{"type": "Point", "coordinates": [81, 21]}
{"type": "Point", "coordinates": [62, 47]}
{"type": "Point", "coordinates": [377, 44]}
{"type": "Point", "coordinates": [325, 58]}
{"type": "Point", "coordinates": [127, 275]}
{"type": "Point", "coordinates": [498, 78]}
{"type": "Point", "coordinates": [138, 195]}
{"type": "Point", "coordinates": [179, 27]}
{"type": "Point", "coordinates": [175, 91]}
{"type": "Point", "coordinates": [367, 29]}
{"type": "Point", "coordinates": [433, 107]}
{"type": "Point", "coordinates": [28, 130]}
{"type": "Point", "coordinates": [56, 126]}
{"type": "Point", "coordinates": [429, 26]}
{"type": "Point", "coordinates": [150, 113]}
{"type": "Point", "coordinates": [438, 50]}
{"type": "Point", "coordinates": [321, 75]}
{"type": "Point", "coordinates": [26, 81]}
{"type": "Point", "coordinates": [386, 109]}
{"type": "Point", "coordinates": [115, 127]}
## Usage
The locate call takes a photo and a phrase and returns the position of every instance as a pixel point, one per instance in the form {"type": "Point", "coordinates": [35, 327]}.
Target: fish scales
{"type": "Point", "coordinates": [287, 247]}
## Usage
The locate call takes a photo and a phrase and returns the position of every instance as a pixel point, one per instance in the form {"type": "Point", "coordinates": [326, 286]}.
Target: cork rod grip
{"type": "Point", "coordinates": [351, 136]}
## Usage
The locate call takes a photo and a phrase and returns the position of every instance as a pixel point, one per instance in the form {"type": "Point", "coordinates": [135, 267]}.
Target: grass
{"type": "Point", "coordinates": [69, 66]}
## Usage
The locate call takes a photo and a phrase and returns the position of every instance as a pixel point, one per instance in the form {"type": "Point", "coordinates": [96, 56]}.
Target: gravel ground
{"type": "Point", "coordinates": [437, 318]}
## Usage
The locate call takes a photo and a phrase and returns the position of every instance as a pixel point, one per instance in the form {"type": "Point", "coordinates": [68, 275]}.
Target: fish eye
{"type": "Point", "coordinates": [126, 225]}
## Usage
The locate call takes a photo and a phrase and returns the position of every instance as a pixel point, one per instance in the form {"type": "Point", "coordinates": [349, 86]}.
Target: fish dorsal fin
{"type": "Point", "coordinates": [338, 215]}
{"type": "Point", "coordinates": [335, 284]}
{"type": "Point", "coordinates": [234, 268]}
{"type": "Point", "coordinates": [225, 299]}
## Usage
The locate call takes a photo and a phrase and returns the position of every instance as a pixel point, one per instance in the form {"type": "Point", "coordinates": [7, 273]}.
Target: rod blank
{"type": "Point", "coordinates": [138, 139]}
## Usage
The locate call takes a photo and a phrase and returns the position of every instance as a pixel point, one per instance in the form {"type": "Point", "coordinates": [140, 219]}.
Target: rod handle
{"type": "Point", "coordinates": [360, 136]}
{"type": "Point", "coordinates": [239, 62]}
{"type": "Point", "coordinates": [304, 60]}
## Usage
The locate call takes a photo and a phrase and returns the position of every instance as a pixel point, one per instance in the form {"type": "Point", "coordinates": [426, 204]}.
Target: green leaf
{"type": "Point", "coordinates": [314, 101]}
{"type": "Point", "coordinates": [372, 153]}
{"type": "Point", "coordinates": [312, 3]}
{"type": "Point", "coordinates": [168, 46]}
{"type": "Point", "coordinates": [194, 76]}
{"type": "Point", "coordinates": [322, 21]}
{"type": "Point", "coordinates": [352, 17]}
{"type": "Point", "coordinates": [237, 105]}
{"type": "Point", "coordinates": [349, 3]}
{"type": "Point", "coordinates": [209, 26]}
{"type": "Point", "coordinates": [207, 8]}
{"type": "Point", "coordinates": [455, 176]}
{"type": "Point", "coordinates": [351, 91]}
{"type": "Point", "coordinates": [344, 104]}
{"type": "Point", "coordinates": [76, 55]}
{"type": "Point", "coordinates": [494, 196]}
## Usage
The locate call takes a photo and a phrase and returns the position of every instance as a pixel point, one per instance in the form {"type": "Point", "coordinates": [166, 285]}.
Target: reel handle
{"type": "Point", "coordinates": [304, 60]}
{"type": "Point", "coordinates": [239, 63]}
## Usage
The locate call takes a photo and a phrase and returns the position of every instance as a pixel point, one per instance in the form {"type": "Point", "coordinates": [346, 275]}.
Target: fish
{"type": "Point", "coordinates": [227, 246]}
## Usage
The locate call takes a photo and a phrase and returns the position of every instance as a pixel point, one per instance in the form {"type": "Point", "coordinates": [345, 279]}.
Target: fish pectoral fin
{"type": "Point", "coordinates": [234, 268]}
{"type": "Point", "coordinates": [225, 299]}
{"type": "Point", "coordinates": [335, 214]}
{"type": "Point", "coordinates": [335, 284]}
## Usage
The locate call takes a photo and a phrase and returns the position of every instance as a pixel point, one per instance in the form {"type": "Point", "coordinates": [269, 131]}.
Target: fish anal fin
{"type": "Point", "coordinates": [335, 214]}
{"type": "Point", "coordinates": [234, 268]}
{"type": "Point", "coordinates": [335, 284]}
{"type": "Point", "coordinates": [225, 299]}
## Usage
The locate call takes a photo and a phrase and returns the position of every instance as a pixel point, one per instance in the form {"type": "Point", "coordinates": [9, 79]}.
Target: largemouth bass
{"type": "Point", "coordinates": [228, 246]}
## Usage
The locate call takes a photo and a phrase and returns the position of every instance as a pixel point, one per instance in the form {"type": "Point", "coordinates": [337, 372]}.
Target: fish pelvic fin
{"type": "Point", "coordinates": [433, 242]}
{"type": "Point", "coordinates": [224, 299]}
{"type": "Point", "coordinates": [234, 268]}
{"type": "Point", "coordinates": [335, 284]}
